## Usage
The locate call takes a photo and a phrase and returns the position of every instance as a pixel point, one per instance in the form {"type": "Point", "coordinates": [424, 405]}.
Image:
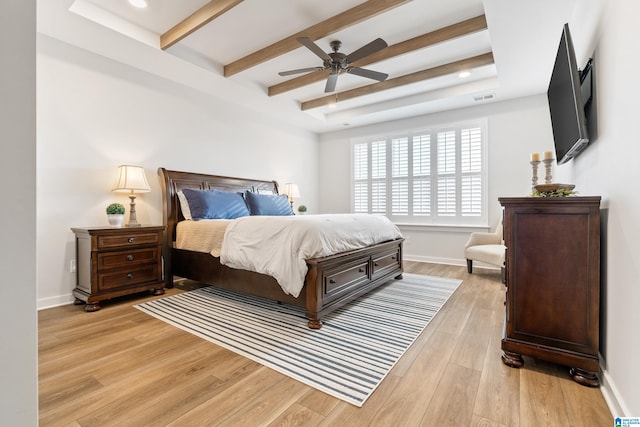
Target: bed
{"type": "Point", "coordinates": [330, 282]}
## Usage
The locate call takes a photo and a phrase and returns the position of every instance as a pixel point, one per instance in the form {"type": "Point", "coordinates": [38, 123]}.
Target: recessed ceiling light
{"type": "Point", "coordinates": [140, 4]}
{"type": "Point", "coordinates": [464, 74]}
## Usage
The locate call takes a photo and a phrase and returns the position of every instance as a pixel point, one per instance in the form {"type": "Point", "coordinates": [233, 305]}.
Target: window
{"type": "Point", "coordinates": [435, 176]}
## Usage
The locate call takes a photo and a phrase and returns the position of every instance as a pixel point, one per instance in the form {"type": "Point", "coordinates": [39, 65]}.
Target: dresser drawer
{"type": "Point", "coordinates": [385, 262]}
{"type": "Point", "coordinates": [130, 239]}
{"type": "Point", "coordinates": [124, 278]}
{"type": "Point", "coordinates": [130, 258]}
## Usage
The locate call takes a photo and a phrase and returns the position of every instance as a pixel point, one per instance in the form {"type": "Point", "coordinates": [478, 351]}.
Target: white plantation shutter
{"type": "Point", "coordinates": [421, 175]}
{"type": "Point", "coordinates": [434, 176]}
{"type": "Point", "coordinates": [361, 178]}
{"type": "Point", "coordinates": [400, 176]}
{"type": "Point", "coordinates": [471, 171]}
{"type": "Point", "coordinates": [446, 173]}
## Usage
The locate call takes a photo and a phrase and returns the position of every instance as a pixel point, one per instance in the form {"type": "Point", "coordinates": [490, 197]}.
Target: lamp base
{"type": "Point", "coordinates": [133, 219]}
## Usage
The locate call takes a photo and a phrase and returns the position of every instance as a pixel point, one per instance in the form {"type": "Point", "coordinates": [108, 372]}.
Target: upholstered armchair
{"type": "Point", "coordinates": [488, 248]}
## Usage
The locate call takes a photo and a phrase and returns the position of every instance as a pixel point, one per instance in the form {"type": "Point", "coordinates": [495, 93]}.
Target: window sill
{"type": "Point", "coordinates": [443, 228]}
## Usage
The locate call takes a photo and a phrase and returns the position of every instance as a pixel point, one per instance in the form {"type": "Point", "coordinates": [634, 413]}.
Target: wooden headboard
{"type": "Point", "coordinates": [174, 181]}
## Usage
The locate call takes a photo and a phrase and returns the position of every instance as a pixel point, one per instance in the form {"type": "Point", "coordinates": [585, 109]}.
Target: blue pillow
{"type": "Point", "coordinates": [268, 204]}
{"type": "Point", "coordinates": [215, 204]}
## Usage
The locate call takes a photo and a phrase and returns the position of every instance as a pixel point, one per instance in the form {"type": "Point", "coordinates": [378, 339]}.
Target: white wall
{"type": "Point", "coordinates": [95, 113]}
{"type": "Point", "coordinates": [18, 319]}
{"type": "Point", "coordinates": [515, 129]}
{"type": "Point", "coordinates": [609, 167]}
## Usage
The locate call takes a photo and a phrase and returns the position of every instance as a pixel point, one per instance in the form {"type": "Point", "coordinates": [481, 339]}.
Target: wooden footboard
{"type": "Point", "coordinates": [335, 280]}
{"type": "Point", "coordinates": [331, 281]}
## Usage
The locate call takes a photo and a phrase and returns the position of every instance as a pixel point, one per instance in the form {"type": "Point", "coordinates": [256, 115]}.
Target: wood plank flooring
{"type": "Point", "coordinates": [119, 366]}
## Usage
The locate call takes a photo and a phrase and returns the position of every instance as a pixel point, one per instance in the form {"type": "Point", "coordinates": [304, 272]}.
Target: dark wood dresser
{"type": "Point", "coordinates": [553, 282]}
{"type": "Point", "coordinates": [112, 262]}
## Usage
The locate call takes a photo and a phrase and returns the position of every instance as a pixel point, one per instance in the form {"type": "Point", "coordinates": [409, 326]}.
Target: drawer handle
{"type": "Point", "coordinates": [393, 257]}
{"type": "Point", "coordinates": [131, 239]}
{"type": "Point", "coordinates": [332, 281]}
{"type": "Point", "coordinates": [375, 264]}
{"type": "Point", "coordinates": [361, 270]}
{"type": "Point", "coordinates": [129, 257]}
{"type": "Point", "coordinates": [129, 275]}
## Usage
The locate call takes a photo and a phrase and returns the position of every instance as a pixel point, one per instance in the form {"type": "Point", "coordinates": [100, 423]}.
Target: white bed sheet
{"type": "Point", "coordinates": [279, 245]}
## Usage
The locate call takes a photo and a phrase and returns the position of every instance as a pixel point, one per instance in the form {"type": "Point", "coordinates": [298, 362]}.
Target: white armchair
{"type": "Point", "coordinates": [486, 247]}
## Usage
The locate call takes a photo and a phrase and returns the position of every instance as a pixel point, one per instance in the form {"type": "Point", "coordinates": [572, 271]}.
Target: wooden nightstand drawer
{"type": "Point", "coordinates": [129, 239]}
{"type": "Point", "coordinates": [128, 277]}
{"type": "Point", "coordinates": [130, 258]}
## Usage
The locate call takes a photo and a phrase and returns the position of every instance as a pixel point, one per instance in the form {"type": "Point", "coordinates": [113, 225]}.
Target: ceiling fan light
{"type": "Point", "coordinates": [140, 4]}
{"type": "Point", "coordinates": [464, 74]}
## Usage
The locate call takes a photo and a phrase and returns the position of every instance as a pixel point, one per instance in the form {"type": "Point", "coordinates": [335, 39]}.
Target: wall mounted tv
{"type": "Point", "coordinates": [566, 103]}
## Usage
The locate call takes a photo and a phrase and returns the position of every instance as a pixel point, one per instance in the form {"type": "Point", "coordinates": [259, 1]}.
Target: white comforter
{"type": "Point", "coordinates": [279, 246]}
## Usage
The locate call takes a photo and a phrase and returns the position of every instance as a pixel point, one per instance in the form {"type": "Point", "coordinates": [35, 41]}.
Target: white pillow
{"type": "Point", "coordinates": [184, 205]}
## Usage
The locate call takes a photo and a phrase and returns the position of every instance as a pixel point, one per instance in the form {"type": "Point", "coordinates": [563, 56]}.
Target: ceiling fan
{"type": "Point", "coordinates": [338, 62]}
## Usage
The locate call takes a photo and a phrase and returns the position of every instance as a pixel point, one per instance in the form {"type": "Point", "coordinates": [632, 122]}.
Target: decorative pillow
{"type": "Point", "coordinates": [184, 205]}
{"type": "Point", "coordinates": [215, 204]}
{"type": "Point", "coordinates": [268, 204]}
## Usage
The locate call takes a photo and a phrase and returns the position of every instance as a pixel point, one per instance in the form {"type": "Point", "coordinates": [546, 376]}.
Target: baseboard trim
{"type": "Point", "coordinates": [447, 261]}
{"type": "Point", "coordinates": [612, 397]}
{"type": "Point", "coordinates": [59, 300]}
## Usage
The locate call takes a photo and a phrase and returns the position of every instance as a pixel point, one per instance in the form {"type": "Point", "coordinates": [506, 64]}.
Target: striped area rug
{"type": "Point", "coordinates": [347, 358]}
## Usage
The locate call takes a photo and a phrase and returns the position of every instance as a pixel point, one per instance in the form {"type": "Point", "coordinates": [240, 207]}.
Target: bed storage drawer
{"type": "Point", "coordinates": [338, 281]}
{"type": "Point", "coordinates": [386, 262]}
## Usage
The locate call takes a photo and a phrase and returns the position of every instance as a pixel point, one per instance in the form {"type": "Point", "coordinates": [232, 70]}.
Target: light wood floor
{"type": "Point", "coordinates": [119, 366]}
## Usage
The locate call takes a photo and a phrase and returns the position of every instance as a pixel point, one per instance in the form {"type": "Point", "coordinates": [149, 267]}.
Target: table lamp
{"type": "Point", "coordinates": [133, 180]}
{"type": "Point", "coordinates": [292, 191]}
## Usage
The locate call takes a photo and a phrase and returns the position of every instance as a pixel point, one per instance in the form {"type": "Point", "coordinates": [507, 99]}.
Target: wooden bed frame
{"type": "Point", "coordinates": [330, 283]}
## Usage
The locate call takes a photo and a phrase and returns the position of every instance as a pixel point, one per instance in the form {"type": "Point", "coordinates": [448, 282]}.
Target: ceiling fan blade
{"type": "Point", "coordinates": [300, 70]}
{"type": "Point", "coordinates": [331, 82]}
{"type": "Point", "coordinates": [367, 73]}
{"type": "Point", "coordinates": [366, 50]}
{"type": "Point", "coordinates": [314, 48]}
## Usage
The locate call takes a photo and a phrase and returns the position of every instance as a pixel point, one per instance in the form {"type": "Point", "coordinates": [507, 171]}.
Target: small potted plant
{"type": "Point", "coordinates": [302, 209]}
{"type": "Point", "coordinates": [115, 214]}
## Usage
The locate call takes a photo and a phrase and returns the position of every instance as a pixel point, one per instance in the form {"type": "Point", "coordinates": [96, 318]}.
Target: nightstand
{"type": "Point", "coordinates": [112, 262]}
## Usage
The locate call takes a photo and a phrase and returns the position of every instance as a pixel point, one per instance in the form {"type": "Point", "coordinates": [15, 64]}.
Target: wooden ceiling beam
{"type": "Point", "coordinates": [197, 20]}
{"type": "Point", "coordinates": [329, 26]}
{"type": "Point", "coordinates": [450, 68]}
{"type": "Point", "coordinates": [479, 23]}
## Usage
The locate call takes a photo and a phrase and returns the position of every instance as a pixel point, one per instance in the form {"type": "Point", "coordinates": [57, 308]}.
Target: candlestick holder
{"type": "Point", "coordinates": [547, 167]}
{"type": "Point", "coordinates": [534, 177]}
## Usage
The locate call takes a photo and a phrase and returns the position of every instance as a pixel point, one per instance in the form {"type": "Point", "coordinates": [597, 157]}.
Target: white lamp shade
{"type": "Point", "coordinates": [291, 190]}
{"type": "Point", "coordinates": [131, 179]}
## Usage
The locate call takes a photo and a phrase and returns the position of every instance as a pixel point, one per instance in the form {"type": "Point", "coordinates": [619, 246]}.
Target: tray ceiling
{"type": "Point", "coordinates": [241, 45]}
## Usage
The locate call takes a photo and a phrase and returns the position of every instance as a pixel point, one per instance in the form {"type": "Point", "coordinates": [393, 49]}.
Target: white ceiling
{"type": "Point", "coordinates": [522, 34]}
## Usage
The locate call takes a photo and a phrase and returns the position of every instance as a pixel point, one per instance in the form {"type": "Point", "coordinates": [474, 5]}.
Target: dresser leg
{"type": "Point", "coordinates": [91, 307]}
{"type": "Point", "coordinates": [78, 301]}
{"type": "Point", "coordinates": [158, 291]}
{"type": "Point", "coordinates": [589, 379]}
{"type": "Point", "coordinates": [512, 359]}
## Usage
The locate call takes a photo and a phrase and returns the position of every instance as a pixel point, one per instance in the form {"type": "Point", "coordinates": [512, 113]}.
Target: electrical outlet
{"type": "Point", "coordinates": [72, 266]}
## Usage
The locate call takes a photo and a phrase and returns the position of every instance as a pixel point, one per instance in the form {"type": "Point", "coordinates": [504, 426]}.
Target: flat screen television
{"type": "Point", "coordinates": [566, 104]}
